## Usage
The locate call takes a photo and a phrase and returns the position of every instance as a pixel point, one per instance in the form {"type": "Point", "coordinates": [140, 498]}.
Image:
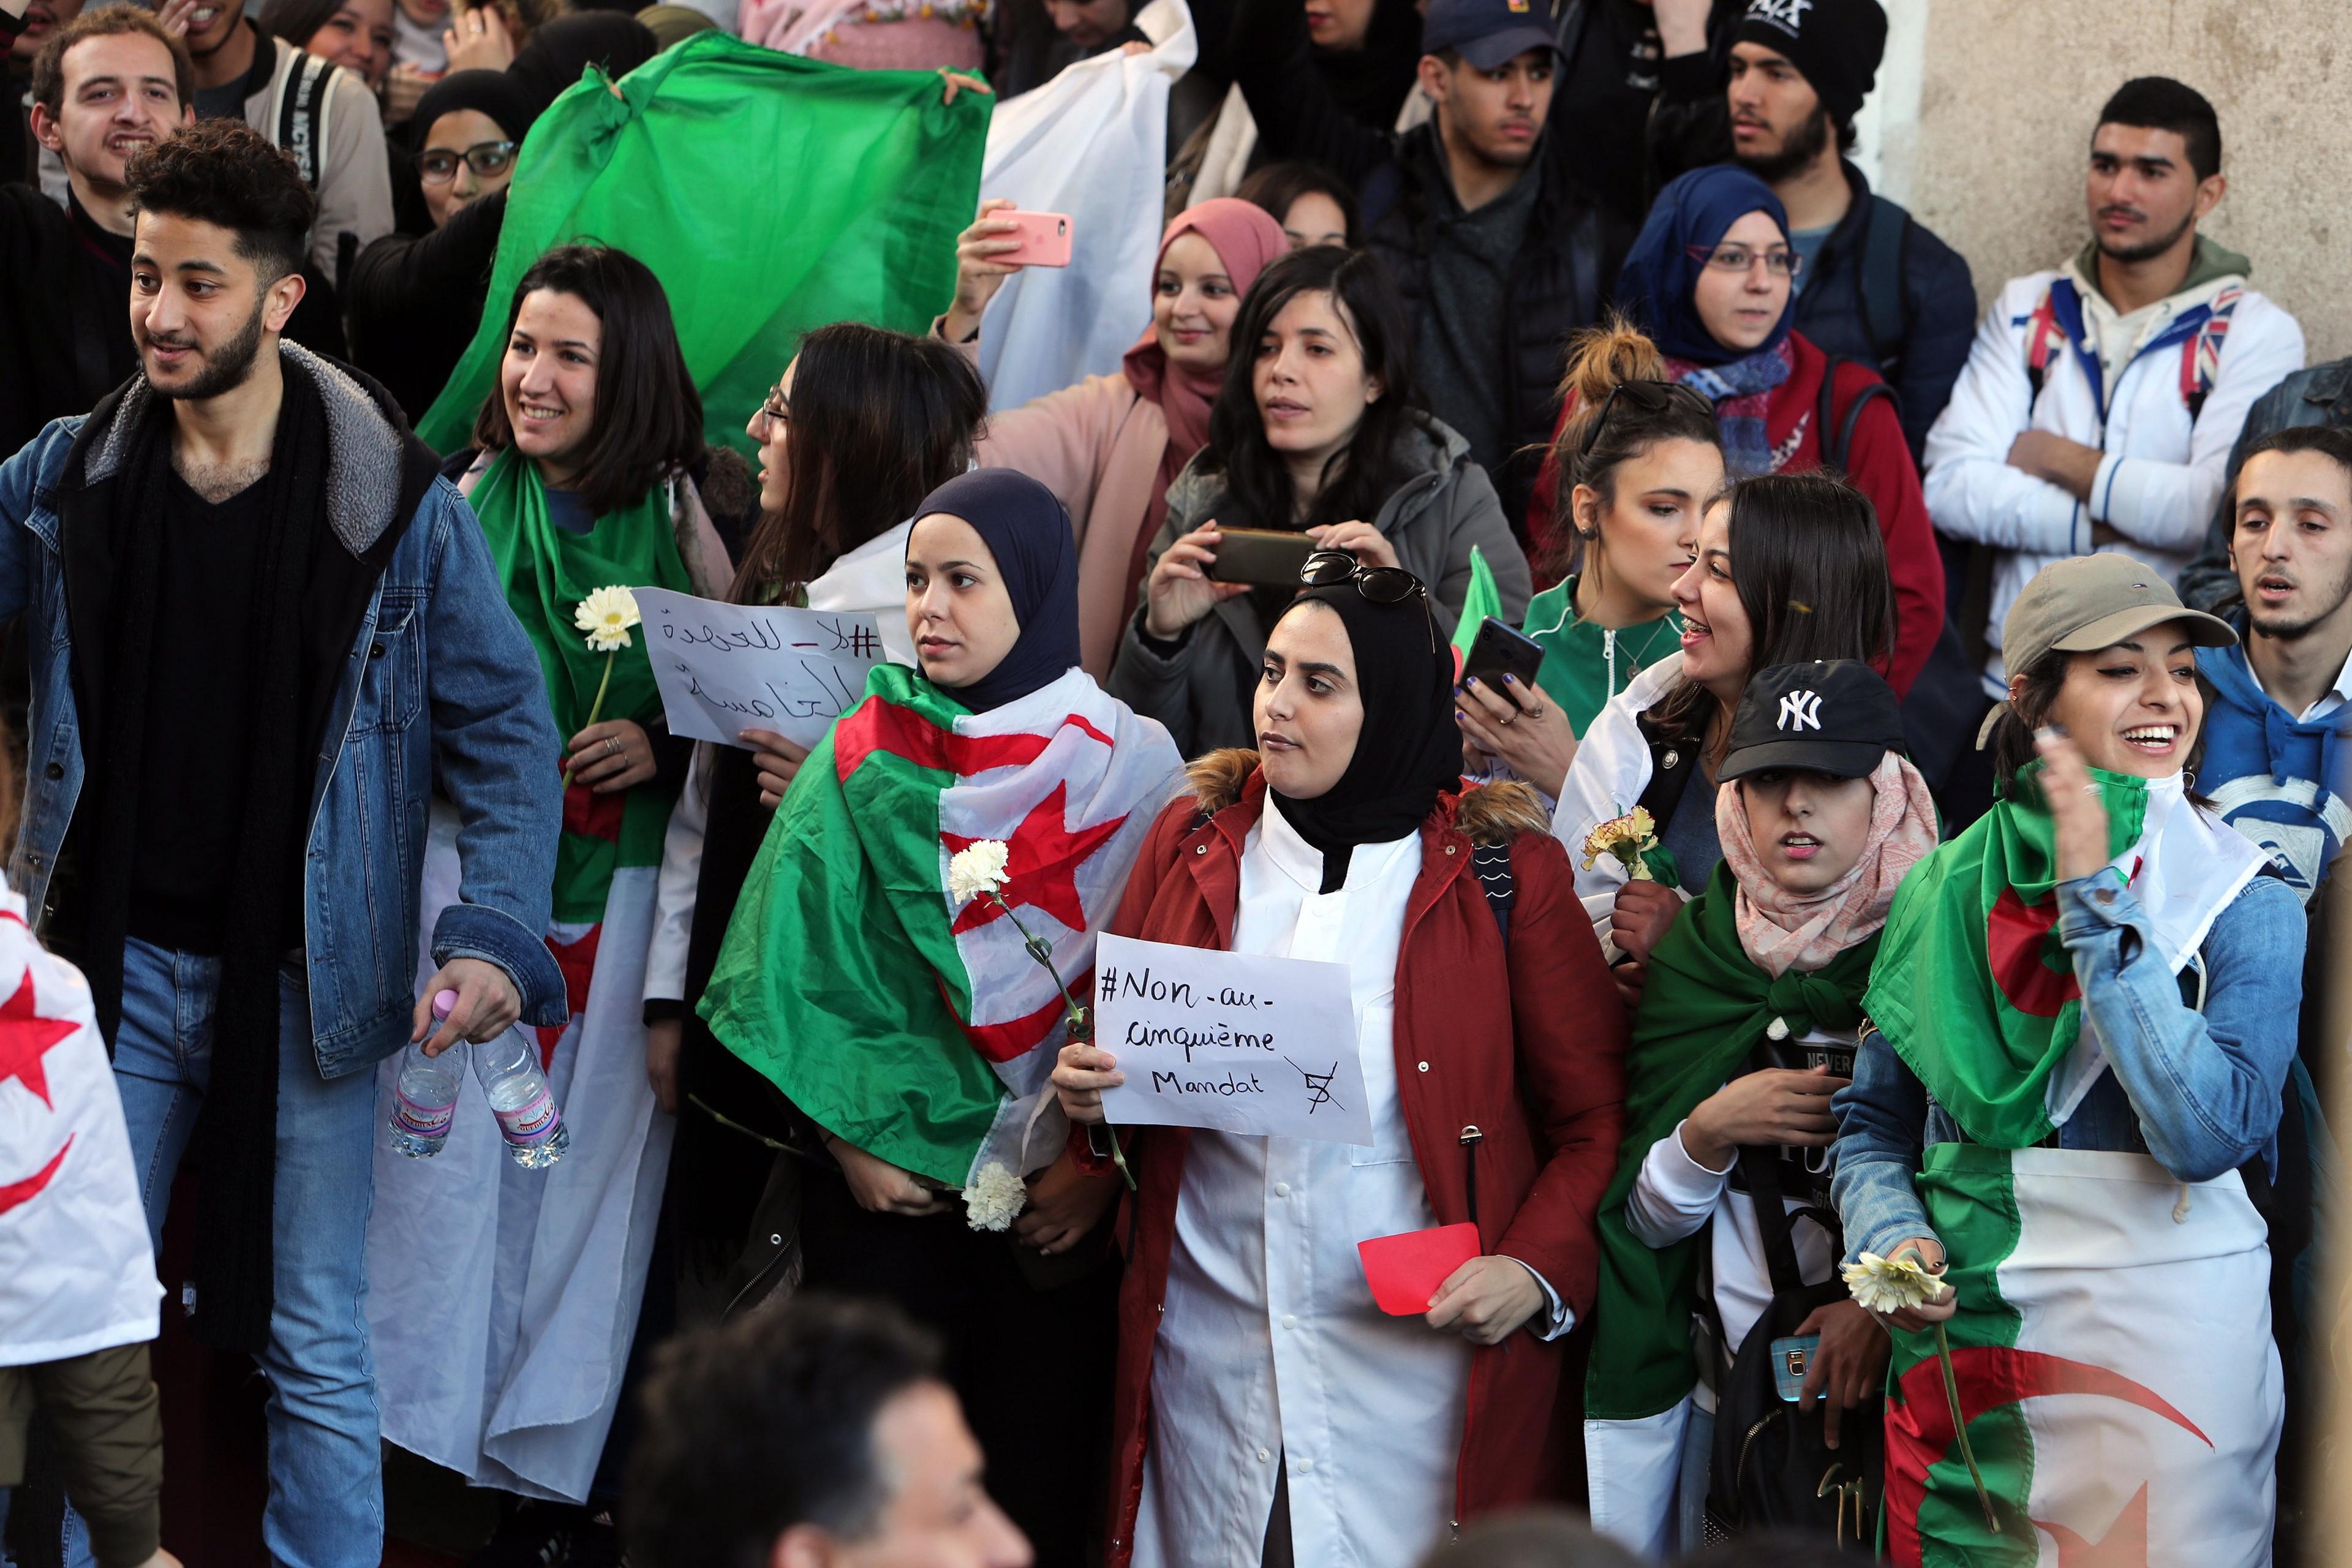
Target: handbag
{"type": "Point", "coordinates": [1772, 1467]}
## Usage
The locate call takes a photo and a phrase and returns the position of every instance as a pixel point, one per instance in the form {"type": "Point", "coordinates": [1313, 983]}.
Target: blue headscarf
{"type": "Point", "coordinates": [1028, 532]}
{"type": "Point", "coordinates": [1661, 274]}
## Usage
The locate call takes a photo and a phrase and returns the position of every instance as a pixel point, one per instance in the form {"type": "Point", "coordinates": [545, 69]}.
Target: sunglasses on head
{"type": "Point", "coordinates": [1375, 584]}
{"type": "Point", "coordinates": [1650, 397]}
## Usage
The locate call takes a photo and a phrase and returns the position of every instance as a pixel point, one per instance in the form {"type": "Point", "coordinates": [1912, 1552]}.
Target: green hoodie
{"type": "Point", "coordinates": [2206, 263]}
{"type": "Point", "coordinates": [1585, 665]}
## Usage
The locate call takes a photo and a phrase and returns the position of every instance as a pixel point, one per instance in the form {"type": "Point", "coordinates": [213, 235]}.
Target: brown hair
{"type": "Point", "coordinates": [880, 420]}
{"type": "Point", "coordinates": [106, 22]}
{"type": "Point", "coordinates": [649, 418]}
{"type": "Point", "coordinates": [1601, 360]}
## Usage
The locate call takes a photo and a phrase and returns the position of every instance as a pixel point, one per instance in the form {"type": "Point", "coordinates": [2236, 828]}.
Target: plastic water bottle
{"type": "Point", "coordinates": [425, 1095]}
{"type": "Point", "coordinates": [521, 1100]}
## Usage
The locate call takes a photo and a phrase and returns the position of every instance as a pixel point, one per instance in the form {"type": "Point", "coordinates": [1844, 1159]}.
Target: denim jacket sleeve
{"type": "Point", "coordinates": [23, 477]}
{"type": "Point", "coordinates": [2205, 1086]}
{"type": "Point", "coordinates": [494, 752]}
{"type": "Point", "coordinates": [1882, 1138]}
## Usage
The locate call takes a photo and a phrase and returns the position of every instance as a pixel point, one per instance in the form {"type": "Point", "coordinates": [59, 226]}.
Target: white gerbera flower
{"type": "Point", "coordinates": [1891, 1284]}
{"type": "Point", "coordinates": [606, 616]}
{"type": "Point", "coordinates": [995, 1197]}
{"type": "Point", "coordinates": [977, 869]}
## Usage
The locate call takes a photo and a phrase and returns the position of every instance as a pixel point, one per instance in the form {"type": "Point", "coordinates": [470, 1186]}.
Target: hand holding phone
{"type": "Point", "coordinates": [1041, 240]}
{"type": "Point", "coordinates": [1262, 557]}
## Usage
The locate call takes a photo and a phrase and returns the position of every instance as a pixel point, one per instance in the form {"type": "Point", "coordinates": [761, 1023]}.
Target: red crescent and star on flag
{"type": "Point", "coordinates": [24, 1038]}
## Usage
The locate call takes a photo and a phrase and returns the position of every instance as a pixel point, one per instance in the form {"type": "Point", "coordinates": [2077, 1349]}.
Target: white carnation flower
{"type": "Point", "coordinates": [977, 869]}
{"type": "Point", "coordinates": [1891, 1284]}
{"type": "Point", "coordinates": [995, 1197]}
{"type": "Point", "coordinates": [606, 616]}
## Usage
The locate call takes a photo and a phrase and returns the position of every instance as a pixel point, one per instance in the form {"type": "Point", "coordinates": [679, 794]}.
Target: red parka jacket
{"type": "Point", "coordinates": [1526, 1047]}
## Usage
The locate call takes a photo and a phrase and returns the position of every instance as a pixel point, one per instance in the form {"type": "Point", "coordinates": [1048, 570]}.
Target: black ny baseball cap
{"type": "Point", "coordinates": [1488, 33]}
{"type": "Point", "coordinates": [1835, 716]}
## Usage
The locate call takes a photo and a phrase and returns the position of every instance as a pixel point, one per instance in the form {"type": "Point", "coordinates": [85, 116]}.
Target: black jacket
{"type": "Point", "coordinates": [1567, 264]}
{"type": "Point", "coordinates": [1908, 308]}
{"type": "Point", "coordinates": [414, 301]}
{"type": "Point", "coordinates": [64, 316]}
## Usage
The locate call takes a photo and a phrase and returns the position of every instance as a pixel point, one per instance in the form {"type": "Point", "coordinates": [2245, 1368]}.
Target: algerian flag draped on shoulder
{"type": "Point", "coordinates": [918, 1030]}
{"type": "Point", "coordinates": [770, 194]}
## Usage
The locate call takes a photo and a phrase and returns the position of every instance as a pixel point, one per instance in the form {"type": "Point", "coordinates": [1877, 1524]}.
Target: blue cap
{"type": "Point", "coordinates": [1486, 34]}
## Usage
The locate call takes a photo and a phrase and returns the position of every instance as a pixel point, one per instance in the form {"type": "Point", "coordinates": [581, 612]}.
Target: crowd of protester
{"type": "Point", "coordinates": [1855, 963]}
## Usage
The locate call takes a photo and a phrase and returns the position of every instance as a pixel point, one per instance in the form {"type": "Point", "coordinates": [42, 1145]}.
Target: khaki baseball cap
{"type": "Point", "coordinates": [2093, 602]}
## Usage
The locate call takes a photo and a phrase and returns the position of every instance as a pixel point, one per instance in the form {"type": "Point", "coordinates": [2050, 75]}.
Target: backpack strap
{"type": "Point", "coordinates": [2045, 339]}
{"type": "Point", "coordinates": [2201, 356]}
{"type": "Point", "coordinates": [1837, 436]}
{"type": "Point", "coordinates": [1492, 862]}
{"type": "Point", "coordinates": [1886, 312]}
{"type": "Point", "coordinates": [298, 114]}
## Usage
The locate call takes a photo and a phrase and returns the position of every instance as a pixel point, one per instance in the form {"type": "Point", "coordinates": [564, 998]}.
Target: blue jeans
{"type": "Point", "coordinates": [326, 1465]}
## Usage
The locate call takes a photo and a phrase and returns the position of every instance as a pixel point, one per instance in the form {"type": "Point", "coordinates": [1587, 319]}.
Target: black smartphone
{"type": "Point", "coordinates": [1269, 557]}
{"type": "Point", "coordinates": [1499, 650]}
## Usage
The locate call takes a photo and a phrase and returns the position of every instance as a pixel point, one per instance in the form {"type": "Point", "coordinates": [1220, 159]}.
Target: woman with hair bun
{"type": "Point", "coordinates": [1640, 456]}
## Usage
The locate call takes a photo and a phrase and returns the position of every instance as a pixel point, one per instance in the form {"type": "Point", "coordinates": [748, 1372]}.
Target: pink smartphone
{"type": "Point", "coordinates": [1045, 238]}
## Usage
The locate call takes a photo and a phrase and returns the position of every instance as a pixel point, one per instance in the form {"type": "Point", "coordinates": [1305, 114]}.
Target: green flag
{"type": "Point", "coordinates": [1973, 988]}
{"type": "Point", "coordinates": [1483, 599]}
{"type": "Point", "coordinates": [770, 194]}
{"type": "Point", "coordinates": [1704, 1008]}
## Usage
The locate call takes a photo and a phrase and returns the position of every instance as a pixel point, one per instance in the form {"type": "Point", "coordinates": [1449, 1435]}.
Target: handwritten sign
{"type": "Point", "coordinates": [725, 668]}
{"type": "Point", "coordinates": [1229, 1041]}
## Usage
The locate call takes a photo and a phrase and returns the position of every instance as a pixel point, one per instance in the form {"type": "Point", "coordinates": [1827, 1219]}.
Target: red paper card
{"type": "Point", "coordinates": [1404, 1271]}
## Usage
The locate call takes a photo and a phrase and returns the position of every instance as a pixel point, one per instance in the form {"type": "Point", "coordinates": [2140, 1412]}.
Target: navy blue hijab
{"type": "Point", "coordinates": [1028, 532]}
{"type": "Point", "coordinates": [1661, 274]}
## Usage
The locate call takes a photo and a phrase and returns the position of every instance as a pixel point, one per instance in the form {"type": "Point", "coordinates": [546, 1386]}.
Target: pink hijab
{"type": "Point", "coordinates": [1782, 930]}
{"type": "Point", "coordinates": [1245, 238]}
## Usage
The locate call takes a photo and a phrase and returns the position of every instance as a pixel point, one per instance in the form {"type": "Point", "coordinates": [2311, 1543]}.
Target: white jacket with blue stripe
{"type": "Point", "coordinates": [2164, 468]}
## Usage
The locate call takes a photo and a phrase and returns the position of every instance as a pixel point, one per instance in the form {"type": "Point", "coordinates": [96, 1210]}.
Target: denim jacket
{"type": "Point", "coordinates": [2198, 1091]}
{"type": "Point", "coordinates": [441, 687]}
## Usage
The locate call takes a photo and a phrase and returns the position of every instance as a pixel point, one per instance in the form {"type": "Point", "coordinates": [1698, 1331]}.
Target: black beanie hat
{"type": "Point", "coordinates": [1836, 44]}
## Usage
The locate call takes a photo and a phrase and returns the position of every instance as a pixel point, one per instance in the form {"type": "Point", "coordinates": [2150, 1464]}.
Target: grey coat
{"type": "Point", "coordinates": [1203, 690]}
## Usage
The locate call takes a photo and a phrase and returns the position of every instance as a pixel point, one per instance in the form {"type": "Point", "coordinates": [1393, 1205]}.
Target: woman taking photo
{"type": "Point", "coordinates": [499, 1342]}
{"type": "Point", "coordinates": [1314, 432]}
{"type": "Point", "coordinates": [1490, 1044]}
{"type": "Point", "coordinates": [2084, 1015]}
{"type": "Point", "coordinates": [1770, 551]}
{"type": "Point", "coordinates": [1745, 1029]}
{"type": "Point", "coordinates": [1110, 446]}
{"type": "Point", "coordinates": [1711, 279]}
{"type": "Point", "coordinates": [863, 424]}
{"type": "Point", "coordinates": [414, 301]}
{"type": "Point", "coordinates": [1642, 457]}
{"type": "Point", "coordinates": [897, 1010]}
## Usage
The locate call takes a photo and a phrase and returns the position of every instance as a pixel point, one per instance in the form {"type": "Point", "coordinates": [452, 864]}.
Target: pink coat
{"type": "Point", "coordinates": [1096, 446]}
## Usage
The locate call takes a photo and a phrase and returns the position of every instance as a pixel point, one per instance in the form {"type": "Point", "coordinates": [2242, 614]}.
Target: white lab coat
{"type": "Point", "coordinates": [1270, 1349]}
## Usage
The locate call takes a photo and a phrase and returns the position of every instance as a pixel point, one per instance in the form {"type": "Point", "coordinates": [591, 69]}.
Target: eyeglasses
{"type": "Point", "coordinates": [438, 166]}
{"type": "Point", "coordinates": [1377, 585]}
{"type": "Point", "coordinates": [1740, 258]}
{"type": "Point", "coordinates": [1650, 397]}
{"type": "Point", "coordinates": [778, 408]}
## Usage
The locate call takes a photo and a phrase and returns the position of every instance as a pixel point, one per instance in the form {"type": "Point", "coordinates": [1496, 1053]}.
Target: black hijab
{"type": "Point", "coordinates": [561, 50]}
{"type": "Point", "coordinates": [505, 99]}
{"type": "Point", "coordinates": [1370, 81]}
{"type": "Point", "coordinates": [1409, 750]}
{"type": "Point", "coordinates": [1028, 532]}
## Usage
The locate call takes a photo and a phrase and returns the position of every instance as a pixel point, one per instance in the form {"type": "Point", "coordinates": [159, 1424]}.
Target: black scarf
{"type": "Point", "coordinates": [1370, 82]}
{"type": "Point", "coordinates": [308, 594]}
{"type": "Point", "coordinates": [1409, 750]}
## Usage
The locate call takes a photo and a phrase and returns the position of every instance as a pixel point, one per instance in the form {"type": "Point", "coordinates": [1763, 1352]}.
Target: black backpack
{"type": "Point", "coordinates": [1771, 1467]}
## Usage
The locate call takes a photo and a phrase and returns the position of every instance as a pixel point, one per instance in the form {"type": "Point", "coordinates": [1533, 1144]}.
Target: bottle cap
{"type": "Point", "coordinates": [443, 1003]}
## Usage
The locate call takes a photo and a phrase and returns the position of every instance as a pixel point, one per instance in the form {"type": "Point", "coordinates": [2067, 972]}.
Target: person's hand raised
{"type": "Point", "coordinates": [479, 39]}
{"type": "Point", "coordinates": [1180, 590]}
{"type": "Point", "coordinates": [979, 275]}
{"type": "Point", "coordinates": [2077, 808]}
{"type": "Point", "coordinates": [1368, 544]}
{"type": "Point", "coordinates": [1519, 724]}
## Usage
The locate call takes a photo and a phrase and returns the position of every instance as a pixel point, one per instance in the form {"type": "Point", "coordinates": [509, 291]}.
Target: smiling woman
{"type": "Point", "coordinates": [355, 33]}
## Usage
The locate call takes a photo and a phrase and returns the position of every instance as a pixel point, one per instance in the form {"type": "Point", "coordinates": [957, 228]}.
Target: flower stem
{"type": "Point", "coordinates": [1960, 1428]}
{"type": "Point", "coordinates": [1076, 1014]}
{"type": "Point", "coordinates": [596, 706]}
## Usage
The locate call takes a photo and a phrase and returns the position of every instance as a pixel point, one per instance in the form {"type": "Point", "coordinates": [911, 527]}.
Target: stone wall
{"type": "Point", "coordinates": [1986, 107]}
